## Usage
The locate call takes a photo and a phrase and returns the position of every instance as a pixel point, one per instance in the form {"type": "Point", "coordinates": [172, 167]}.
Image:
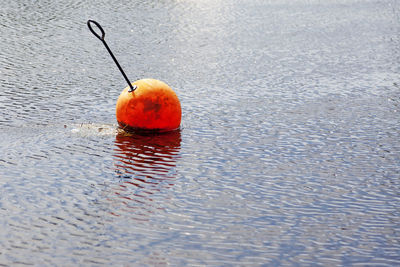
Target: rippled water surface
{"type": "Point", "coordinates": [289, 152]}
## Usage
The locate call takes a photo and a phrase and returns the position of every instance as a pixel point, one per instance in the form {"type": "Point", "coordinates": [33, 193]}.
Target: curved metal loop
{"type": "Point", "coordinates": [98, 26]}
{"type": "Point", "coordinates": [132, 88]}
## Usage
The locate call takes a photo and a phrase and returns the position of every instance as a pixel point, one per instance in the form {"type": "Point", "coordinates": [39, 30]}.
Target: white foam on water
{"type": "Point", "coordinates": [89, 129]}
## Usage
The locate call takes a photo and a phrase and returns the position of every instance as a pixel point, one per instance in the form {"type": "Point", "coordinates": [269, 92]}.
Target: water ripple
{"type": "Point", "coordinates": [288, 152]}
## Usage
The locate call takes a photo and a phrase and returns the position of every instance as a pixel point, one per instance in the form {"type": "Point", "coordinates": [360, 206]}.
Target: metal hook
{"type": "Point", "coordinates": [98, 26]}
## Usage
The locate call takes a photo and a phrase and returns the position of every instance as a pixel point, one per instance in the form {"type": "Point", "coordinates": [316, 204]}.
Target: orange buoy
{"type": "Point", "coordinates": [151, 106]}
{"type": "Point", "coordinates": [147, 105]}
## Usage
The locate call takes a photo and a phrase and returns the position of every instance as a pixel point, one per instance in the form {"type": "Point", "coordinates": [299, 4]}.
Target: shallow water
{"type": "Point", "coordinates": [288, 152]}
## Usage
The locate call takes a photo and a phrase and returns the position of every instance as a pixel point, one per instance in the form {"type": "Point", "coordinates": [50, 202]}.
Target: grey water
{"type": "Point", "coordinates": [288, 154]}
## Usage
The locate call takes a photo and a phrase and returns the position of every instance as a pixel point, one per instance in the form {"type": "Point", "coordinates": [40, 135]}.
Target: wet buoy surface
{"type": "Point", "coordinates": [153, 106]}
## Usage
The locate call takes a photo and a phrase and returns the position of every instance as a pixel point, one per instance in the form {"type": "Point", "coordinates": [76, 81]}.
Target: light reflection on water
{"type": "Point", "coordinates": [288, 153]}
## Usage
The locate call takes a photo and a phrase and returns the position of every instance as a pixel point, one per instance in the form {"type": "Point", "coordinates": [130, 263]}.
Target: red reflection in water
{"type": "Point", "coordinates": [146, 166]}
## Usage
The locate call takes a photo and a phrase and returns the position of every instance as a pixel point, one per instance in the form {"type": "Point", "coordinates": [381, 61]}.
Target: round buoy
{"type": "Point", "coordinates": [151, 106]}
{"type": "Point", "coordinates": [147, 105]}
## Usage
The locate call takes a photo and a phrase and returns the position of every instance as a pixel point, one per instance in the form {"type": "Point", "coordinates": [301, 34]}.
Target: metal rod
{"type": "Point", "coordinates": [101, 38]}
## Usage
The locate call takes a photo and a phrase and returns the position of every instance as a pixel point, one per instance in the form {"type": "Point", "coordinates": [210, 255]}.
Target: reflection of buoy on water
{"type": "Point", "coordinates": [152, 106]}
{"type": "Point", "coordinates": [146, 105]}
{"type": "Point", "coordinates": [151, 156]}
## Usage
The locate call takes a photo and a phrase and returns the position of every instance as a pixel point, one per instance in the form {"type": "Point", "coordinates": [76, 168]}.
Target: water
{"type": "Point", "coordinates": [288, 152]}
